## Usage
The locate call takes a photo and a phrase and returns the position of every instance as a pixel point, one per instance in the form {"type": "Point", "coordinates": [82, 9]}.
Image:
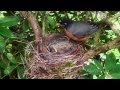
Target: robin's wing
{"type": "Point", "coordinates": [82, 29]}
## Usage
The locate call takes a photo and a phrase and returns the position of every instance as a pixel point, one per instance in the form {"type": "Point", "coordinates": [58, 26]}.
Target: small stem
{"type": "Point", "coordinates": [97, 36]}
{"type": "Point", "coordinates": [43, 23]}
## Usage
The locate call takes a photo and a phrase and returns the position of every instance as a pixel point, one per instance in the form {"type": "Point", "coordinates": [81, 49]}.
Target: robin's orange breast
{"type": "Point", "coordinates": [74, 37]}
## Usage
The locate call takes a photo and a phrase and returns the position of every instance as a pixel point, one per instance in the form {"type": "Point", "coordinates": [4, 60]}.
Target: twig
{"type": "Point", "coordinates": [97, 36]}
{"type": "Point", "coordinates": [43, 23]}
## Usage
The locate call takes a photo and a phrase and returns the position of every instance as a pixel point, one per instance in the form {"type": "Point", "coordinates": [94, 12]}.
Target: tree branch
{"type": "Point", "coordinates": [34, 23]}
{"type": "Point", "coordinates": [100, 48]}
{"type": "Point", "coordinates": [111, 21]}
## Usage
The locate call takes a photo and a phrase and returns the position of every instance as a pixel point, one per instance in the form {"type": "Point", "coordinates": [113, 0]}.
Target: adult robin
{"type": "Point", "coordinates": [79, 30]}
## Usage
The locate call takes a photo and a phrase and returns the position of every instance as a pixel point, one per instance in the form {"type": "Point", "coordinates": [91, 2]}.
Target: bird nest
{"type": "Point", "coordinates": [58, 58]}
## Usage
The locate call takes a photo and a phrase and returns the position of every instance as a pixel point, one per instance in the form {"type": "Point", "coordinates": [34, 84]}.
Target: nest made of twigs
{"type": "Point", "coordinates": [58, 58]}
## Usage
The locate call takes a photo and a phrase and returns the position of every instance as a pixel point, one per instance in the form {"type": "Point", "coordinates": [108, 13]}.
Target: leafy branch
{"type": "Point", "coordinates": [101, 48]}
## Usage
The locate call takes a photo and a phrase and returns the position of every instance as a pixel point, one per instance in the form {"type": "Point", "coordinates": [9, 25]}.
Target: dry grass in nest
{"type": "Point", "coordinates": [58, 58]}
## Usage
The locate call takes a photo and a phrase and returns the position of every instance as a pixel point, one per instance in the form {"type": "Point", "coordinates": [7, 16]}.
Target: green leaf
{"type": "Point", "coordinates": [20, 71]}
{"type": "Point", "coordinates": [4, 62]}
{"type": "Point", "coordinates": [9, 69]}
{"type": "Point", "coordinates": [92, 69]}
{"type": "Point", "coordinates": [110, 61]}
{"type": "Point", "coordinates": [115, 51]}
{"type": "Point", "coordinates": [101, 77]}
{"type": "Point", "coordinates": [116, 76]}
{"type": "Point", "coordinates": [25, 25]}
{"type": "Point", "coordinates": [9, 21]}
{"type": "Point", "coordinates": [97, 63]}
{"type": "Point", "coordinates": [6, 32]}
{"type": "Point", "coordinates": [50, 21]}
{"type": "Point", "coordinates": [2, 44]}
{"type": "Point", "coordinates": [115, 71]}
{"type": "Point", "coordinates": [12, 58]}
{"type": "Point", "coordinates": [9, 47]}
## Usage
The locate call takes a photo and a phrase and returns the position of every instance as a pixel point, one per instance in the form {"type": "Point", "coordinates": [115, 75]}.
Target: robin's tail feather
{"type": "Point", "coordinates": [101, 23]}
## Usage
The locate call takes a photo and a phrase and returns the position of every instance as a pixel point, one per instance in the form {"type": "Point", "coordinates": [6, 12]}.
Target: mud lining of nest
{"type": "Point", "coordinates": [58, 58]}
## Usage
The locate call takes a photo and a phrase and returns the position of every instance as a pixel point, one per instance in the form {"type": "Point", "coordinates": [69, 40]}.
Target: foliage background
{"type": "Point", "coordinates": [16, 32]}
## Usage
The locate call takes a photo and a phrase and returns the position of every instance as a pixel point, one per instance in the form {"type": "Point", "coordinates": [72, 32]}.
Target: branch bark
{"type": "Point", "coordinates": [101, 48]}
{"type": "Point", "coordinates": [111, 21]}
{"type": "Point", "coordinates": [34, 23]}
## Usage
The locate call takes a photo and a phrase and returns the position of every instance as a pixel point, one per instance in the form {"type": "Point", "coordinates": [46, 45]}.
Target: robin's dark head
{"type": "Point", "coordinates": [66, 22]}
